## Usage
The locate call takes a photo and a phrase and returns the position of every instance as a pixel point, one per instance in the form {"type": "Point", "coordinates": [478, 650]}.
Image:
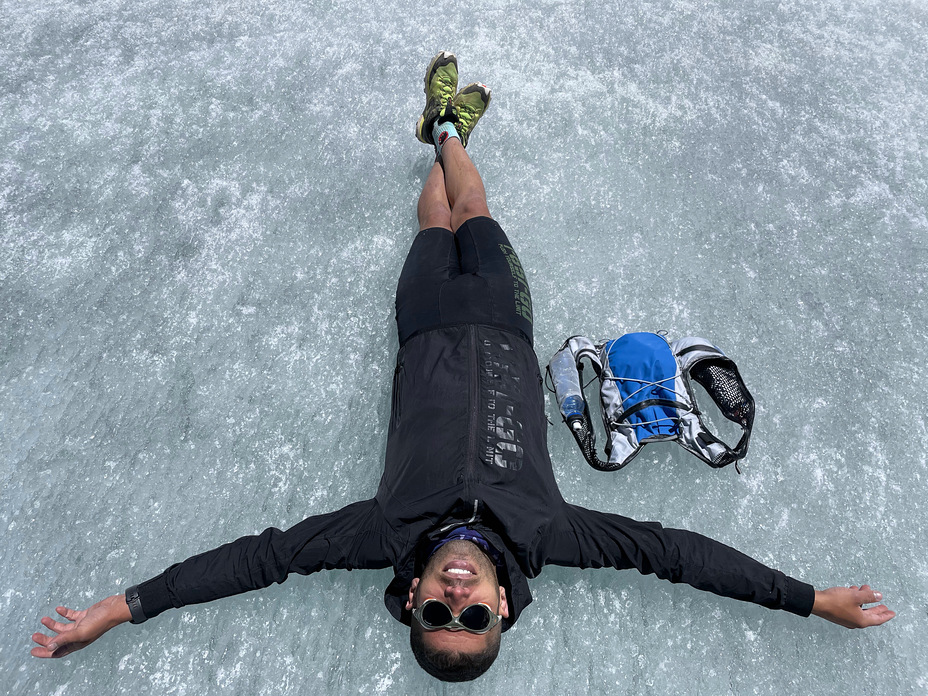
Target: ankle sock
{"type": "Point", "coordinates": [441, 132]}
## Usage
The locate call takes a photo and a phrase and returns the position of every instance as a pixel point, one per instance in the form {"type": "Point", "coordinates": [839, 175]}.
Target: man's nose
{"type": "Point", "coordinates": [457, 592]}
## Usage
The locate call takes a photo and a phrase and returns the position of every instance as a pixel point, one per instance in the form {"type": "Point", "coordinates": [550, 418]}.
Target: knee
{"type": "Point", "coordinates": [467, 208]}
{"type": "Point", "coordinates": [434, 214]}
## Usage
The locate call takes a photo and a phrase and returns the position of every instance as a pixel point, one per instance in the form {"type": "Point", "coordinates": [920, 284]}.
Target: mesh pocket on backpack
{"type": "Point", "coordinates": [727, 389]}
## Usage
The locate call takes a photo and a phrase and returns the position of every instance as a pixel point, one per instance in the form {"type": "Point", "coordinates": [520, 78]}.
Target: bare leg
{"type": "Point", "coordinates": [434, 209]}
{"type": "Point", "coordinates": [466, 195]}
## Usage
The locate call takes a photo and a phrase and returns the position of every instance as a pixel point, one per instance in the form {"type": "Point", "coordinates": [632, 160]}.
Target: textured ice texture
{"type": "Point", "coordinates": [203, 212]}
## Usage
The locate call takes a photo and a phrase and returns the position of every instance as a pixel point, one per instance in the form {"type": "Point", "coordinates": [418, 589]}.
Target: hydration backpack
{"type": "Point", "coordinates": [646, 396]}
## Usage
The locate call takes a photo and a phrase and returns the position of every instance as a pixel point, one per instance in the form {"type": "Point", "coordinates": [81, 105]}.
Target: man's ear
{"type": "Point", "coordinates": [412, 594]}
{"type": "Point", "coordinates": [503, 604]}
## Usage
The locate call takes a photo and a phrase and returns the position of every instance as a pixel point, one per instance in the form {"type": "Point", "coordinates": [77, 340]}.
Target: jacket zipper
{"type": "Point", "coordinates": [472, 519]}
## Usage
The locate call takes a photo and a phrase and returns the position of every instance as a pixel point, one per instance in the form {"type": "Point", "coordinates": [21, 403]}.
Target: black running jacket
{"type": "Point", "coordinates": [468, 443]}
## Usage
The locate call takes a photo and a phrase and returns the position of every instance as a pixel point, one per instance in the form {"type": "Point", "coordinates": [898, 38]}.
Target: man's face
{"type": "Point", "coordinates": [459, 574]}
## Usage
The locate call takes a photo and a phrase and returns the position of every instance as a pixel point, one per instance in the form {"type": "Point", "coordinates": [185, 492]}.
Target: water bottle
{"type": "Point", "coordinates": [567, 389]}
{"type": "Point", "coordinates": [572, 410]}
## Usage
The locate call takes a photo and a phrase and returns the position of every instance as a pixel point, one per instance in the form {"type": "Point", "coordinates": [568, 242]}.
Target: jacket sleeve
{"type": "Point", "coordinates": [349, 538]}
{"type": "Point", "coordinates": [588, 539]}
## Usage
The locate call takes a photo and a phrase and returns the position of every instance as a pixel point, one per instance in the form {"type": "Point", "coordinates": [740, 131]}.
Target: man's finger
{"type": "Point", "coordinates": [41, 652]}
{"type": "Point", "coordinates": [41, 639]}
{"type": "Point", "coordinates": [50, 645]}
{"type": "Point", "coordinates": [66, 613]}
{"type": "Point", "coordinates": [55, 626]}
{"type": "Point", "coordinates": [878, 615]}
{"type": "Point", "coordinates": [868, 596]}
{"type": "Point", "coordinates": [57, 651]}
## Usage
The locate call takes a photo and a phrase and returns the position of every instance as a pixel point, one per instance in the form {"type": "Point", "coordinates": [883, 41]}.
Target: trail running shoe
{"type": "Point", "coordinates": [470, 104]}
{"type": "Point", "coordinates": [441, 81]}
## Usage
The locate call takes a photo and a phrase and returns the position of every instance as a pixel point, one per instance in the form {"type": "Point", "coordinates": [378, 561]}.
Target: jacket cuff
{"type": "Point", "coordinates": [800, 597]}
{"type": "Point", "coordinates": [152, 598]}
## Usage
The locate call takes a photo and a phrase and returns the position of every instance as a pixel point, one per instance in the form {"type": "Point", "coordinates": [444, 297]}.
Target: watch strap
{"type": "Point", "coordinates": [135, 605]}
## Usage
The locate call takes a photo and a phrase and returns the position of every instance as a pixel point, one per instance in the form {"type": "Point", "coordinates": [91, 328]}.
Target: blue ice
{"type": "Point", "coordinates": [204, 209]}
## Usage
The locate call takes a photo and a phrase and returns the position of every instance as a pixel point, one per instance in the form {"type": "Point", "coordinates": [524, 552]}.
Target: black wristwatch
{"type": "Point", "coordinates": [135, 605]}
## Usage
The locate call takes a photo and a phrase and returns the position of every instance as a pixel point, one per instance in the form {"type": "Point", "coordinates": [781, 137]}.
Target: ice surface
{"type": "Point", "coordinates": [204, 208]}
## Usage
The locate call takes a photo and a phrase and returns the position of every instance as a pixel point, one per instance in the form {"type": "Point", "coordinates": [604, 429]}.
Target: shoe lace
{"type": "Point", "coordinates": [446, 87]}
{"type": "Point", "coordinates": [467, 115]}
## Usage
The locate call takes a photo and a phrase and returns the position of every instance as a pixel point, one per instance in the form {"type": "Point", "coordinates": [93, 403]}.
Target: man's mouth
{"type": "Point", "coordinates": [460, 569]}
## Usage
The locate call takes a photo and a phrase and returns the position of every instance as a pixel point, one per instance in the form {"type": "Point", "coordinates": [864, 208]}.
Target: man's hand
{"type": "Point", "coordinates": [844, 606]}
{"type": "Point", "coordinates": [83, 627]}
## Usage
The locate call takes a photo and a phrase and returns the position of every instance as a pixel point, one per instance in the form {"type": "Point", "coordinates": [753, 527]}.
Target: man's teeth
{"type": "Point", "coordinates": [459, 571]}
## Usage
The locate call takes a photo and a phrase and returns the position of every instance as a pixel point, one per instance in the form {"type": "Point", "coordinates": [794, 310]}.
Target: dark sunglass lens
{"type": "Point", "coordinates": [475, 617]}
{"type": "Point", "coordinates": [435, 614]}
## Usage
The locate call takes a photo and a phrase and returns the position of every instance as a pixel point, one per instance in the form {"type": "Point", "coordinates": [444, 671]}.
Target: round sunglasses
{"type": "Point", "coordinates": [435, 615]}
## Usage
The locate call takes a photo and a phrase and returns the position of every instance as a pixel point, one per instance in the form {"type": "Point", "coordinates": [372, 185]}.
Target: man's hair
{"type": "Point", "coordinates": [452, 665]}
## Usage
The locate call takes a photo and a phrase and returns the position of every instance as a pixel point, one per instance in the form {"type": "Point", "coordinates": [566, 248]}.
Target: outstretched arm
{"type": "Point", "coordinates": [588, 539]}
{"type": "Point", "coordinates": [352, 537]}
{"type": "Point", "coordinates": [844, 606]}
{"type": "Point", "coordinates": [82, 627]}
